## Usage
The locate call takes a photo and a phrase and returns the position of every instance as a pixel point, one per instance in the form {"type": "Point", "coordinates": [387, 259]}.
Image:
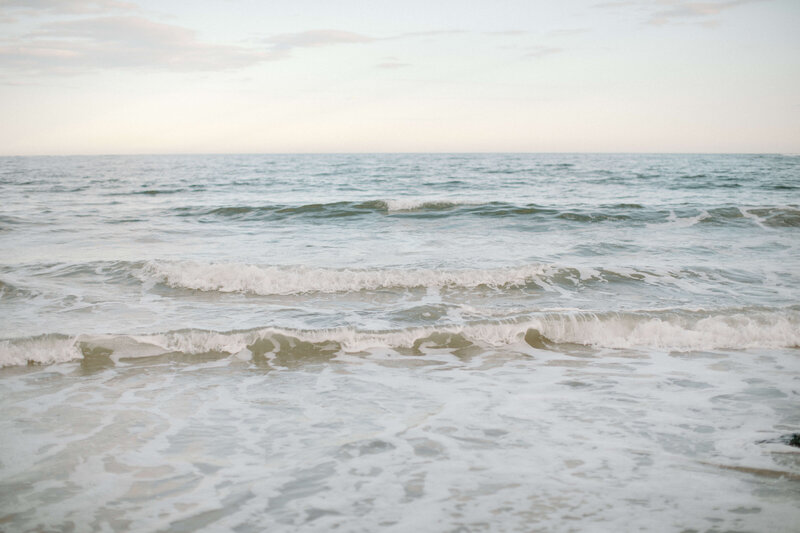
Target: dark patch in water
{"type": "Point", "coordinates": [7, 290]}
{"type": "Point", "coordinates": [536, 340]}
{"type": "Point", "coordinates": [154, 192]}
{"type": "Point", "coordinates": [721, 214]}
{"type": "Point", "coordinates": [778, 217]}
{"type": "Point", "coordinates": [7, 220]}
{"type": "Point", "coordinates": [591, 217]}
{"type": "Point", "coordinates": [95, 359]}
{"type": "Point", "coordinates": [627, 206]}
{"type": "Point", "coordinates": [791, 439]}
{"type": "Point", "coordinates": [365, 447]}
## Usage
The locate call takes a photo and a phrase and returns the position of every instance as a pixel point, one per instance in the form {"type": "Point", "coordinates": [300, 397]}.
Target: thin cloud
{"type": "Point", "coordinates": [432, 33]}
{"type": "Point", "coordinates": [666, 12]}
{"type": "Point", "coordinates": [539, 52]}
{"type": "Point", "coordinates": [568, 32]}
{"type": "Point", "coordinates": [314, 38]}
{"type": "Point", "coordinates": [67, 7]}
{"type": "Point", "coordinates": [85, 45]}
{"type": "Point", "coordinates": [620, 3]}
{"type": "Point", "coordinates": [70, 47]}
{"type": "Point", "coordinates": [317, 38]}
{"type": "Point", "coordinates": [504, 33]}
{"type": "Point", "coordinates": [390, 65]}
{"type": "Point", "coordinates": [695, 11]}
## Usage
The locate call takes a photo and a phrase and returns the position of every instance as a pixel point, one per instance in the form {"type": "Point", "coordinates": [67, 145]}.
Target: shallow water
{"type": "Point", "coordinates": [483, 342]}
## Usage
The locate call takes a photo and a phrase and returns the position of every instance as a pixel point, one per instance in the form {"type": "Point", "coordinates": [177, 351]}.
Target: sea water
{"type": "Point", "coordinates": [440, 342]}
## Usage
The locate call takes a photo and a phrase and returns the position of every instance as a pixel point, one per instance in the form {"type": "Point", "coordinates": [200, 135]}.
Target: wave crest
{"type": "Point", "coordinates": [680, 216]}
{"type": "Point", "coordinates": [676, 331]}
{"type": "Point", "coordinates": [43, 349]}
{"type": "Point", "coordinates": [275, 280]}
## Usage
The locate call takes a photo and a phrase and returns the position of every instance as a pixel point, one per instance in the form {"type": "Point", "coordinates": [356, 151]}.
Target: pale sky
{"type": "Point", "coordinates": [237, 76]}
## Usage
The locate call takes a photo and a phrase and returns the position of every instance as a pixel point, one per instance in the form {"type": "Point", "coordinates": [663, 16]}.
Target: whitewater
{"type": "Point", "coordinates": [447, 342]}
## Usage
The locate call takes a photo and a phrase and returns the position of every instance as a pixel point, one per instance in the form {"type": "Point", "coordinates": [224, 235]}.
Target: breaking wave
{"type": "Point", "coordinates": [284, 280]}
{"type": "Point", "coordinates": [769, 216]}
{"type": "Point", "coordinates": [664, 330]}
{"type": "Point", "coordinates": [325, 210]}
{"type": "Point", "coordinates": [266, 280]}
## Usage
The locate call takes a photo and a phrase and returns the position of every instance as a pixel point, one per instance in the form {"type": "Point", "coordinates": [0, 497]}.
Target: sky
{"type": "Point", "coordinates": [304, 76]}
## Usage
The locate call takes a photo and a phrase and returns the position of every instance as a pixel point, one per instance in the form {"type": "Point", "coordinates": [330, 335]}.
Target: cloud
{"type": "Point", "coordinates": [316, 38]}
{"type": "Point", "coordinates": [539, 52]}
{"type": "Point", "coordinates": [84, 45]}
{"type": "Point", "coordinates": [284, 43]}
{"type": "Point", "coordinates": [506, 33]}
{"type": "Point", "coordinates": [620, 3]}
{"type": "Point", "coordinates": [568, 32]}
{"type": "Point", "coordinates": [67, 7]}
{"type": "Point", "coordinates": [664, 12]}
{"type": "Point", "coordinates": [701, 11]}
{"type": "Point", "coordinates": [313, 38]}
{"type": "Point", "coordinates": [432, 33]}
{"type": "Point", "coordinates": [78, 46]}
{"type": "Point", "coordinates": [392, 65]}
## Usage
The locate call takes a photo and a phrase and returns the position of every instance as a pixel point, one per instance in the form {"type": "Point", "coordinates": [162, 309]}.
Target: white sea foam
{"type": "Point", "coordinates": [45, 349]}
{"type": "Point", "coordinates": [274, 280]}
{"type": "Point", "coordinates": [675, 331]}
{"type": "Point", "coordinates": [670, 331]}
{"type": "Point", "coordinates": [412, 204]}
{"type": "Point", "coordinates": [267, 280]}
{"type": "Point", "coordinates": [662, 330]}
{"type": "Point", "coordinates": [682, 222]}
{"type": "Point", "coordinates": [757, 220]}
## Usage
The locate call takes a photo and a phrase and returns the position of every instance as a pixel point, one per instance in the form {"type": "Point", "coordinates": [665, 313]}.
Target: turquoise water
{"type": "Point", "coordinates": [487, 342]}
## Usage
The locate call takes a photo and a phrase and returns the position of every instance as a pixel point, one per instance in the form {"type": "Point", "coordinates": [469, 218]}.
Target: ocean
{"type": "Point", "coordinates": [431, 342]}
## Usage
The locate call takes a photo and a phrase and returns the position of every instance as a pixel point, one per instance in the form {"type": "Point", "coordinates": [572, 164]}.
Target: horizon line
{"type": "Point", "coordinates": [567, 152]}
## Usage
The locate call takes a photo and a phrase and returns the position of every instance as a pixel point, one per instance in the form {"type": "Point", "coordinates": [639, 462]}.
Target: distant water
{"type": "Point", "coordinates": [439, 342]}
